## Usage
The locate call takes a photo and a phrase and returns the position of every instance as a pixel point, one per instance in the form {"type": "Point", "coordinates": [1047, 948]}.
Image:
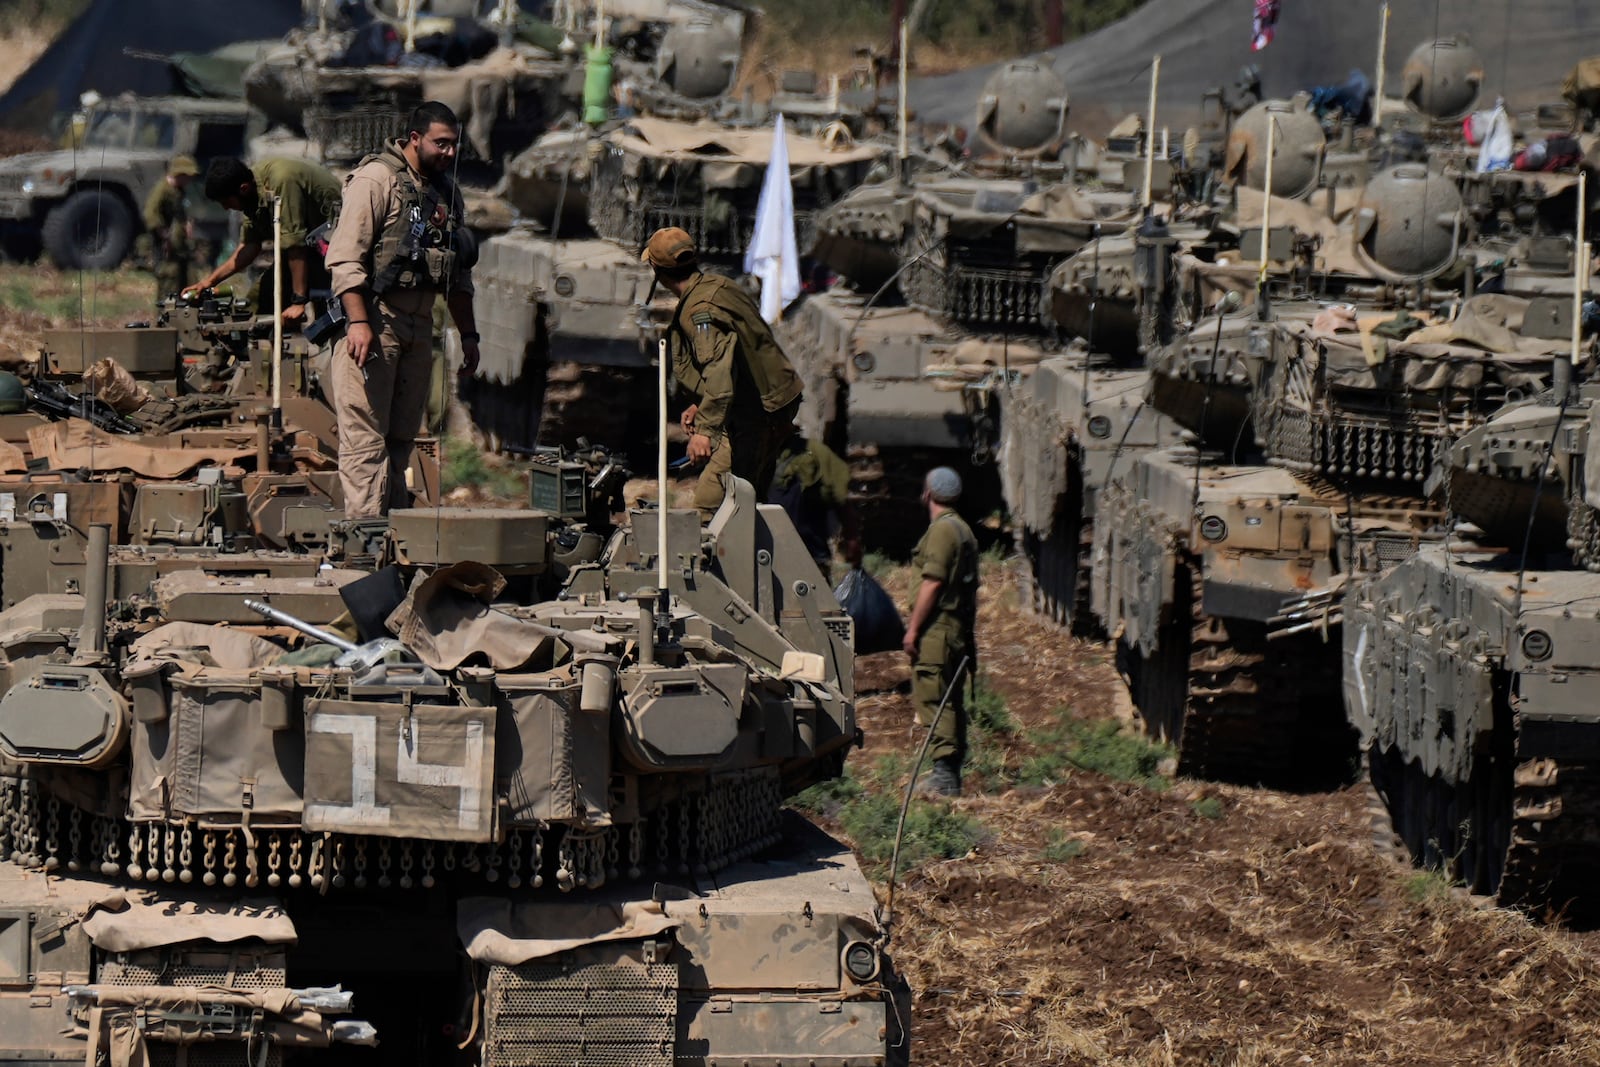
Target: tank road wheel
{"type": "Point", "coordinates": [90, 230]}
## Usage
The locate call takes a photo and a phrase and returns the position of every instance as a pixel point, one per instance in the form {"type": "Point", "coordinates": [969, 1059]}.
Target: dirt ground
{"type": "Point", "coordinates": [1194, 923]}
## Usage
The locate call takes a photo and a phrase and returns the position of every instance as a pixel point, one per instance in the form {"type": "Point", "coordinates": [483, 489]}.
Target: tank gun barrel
{"type": "Point", "coordinates": [283, 618]}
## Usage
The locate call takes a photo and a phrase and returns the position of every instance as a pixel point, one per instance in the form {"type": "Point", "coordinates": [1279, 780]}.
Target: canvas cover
{"type": "Point", "coordinates": [400, 769]}
{"type": "Point", "coordinates": [142, 923]}
{"type": "Point", "coordinates": [553, 757]}
{"type": "Point", "coordinates": [499, 931]}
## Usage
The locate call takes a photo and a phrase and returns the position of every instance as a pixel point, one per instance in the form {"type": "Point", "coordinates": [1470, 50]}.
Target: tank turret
{"type": "Point", "coordinates": [1298, 145]}
{"type": "Point", "coordinates": [1408, 225]}
{"type": "Point", "coordinates": [1442, 78]}
{"type": "Point", "coordinates": [1023, 109]}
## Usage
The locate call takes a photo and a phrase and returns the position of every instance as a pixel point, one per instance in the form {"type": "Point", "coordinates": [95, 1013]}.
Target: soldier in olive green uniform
{"type": "Point", "coordinates": [812, 484]}
{"type": "Point", "coordinates": [400, 243]}
{"type": "Point", "coordinates": [724, 352]}
{"type": "Point", "coordinates": [939, 634]}
{"type": "Point", "coordinates": [308, 196]}
{"type": "Point", "coordinates": [166, 216]}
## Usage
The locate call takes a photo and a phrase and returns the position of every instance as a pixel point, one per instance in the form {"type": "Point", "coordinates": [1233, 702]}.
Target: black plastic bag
{"type": "Point", "coordinates": [879, 627]}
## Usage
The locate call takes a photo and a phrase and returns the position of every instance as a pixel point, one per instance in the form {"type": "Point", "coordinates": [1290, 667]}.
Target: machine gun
{"type": "Point", "coordinates": [58, 402]}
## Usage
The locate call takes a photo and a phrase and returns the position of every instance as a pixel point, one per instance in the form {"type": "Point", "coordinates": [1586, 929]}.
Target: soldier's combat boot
{"type": "Point", "coordinates": [944, 780]}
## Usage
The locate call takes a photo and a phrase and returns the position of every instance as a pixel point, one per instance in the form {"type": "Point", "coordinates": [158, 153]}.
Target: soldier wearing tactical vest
{"type": "Point", "coordinates": [399, 243]}
{"type": "Point", "coordinates": [308, 196]}
{"type": "Point", "coordinates": [724, 353]}
{"type": "Point", "coordinates": [940, 635]}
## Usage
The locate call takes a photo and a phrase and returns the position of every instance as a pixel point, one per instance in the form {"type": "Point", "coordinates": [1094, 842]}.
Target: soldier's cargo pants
{"type": "Point", "coordinates": [749, 450]}
{"type": "Point", "coordinates": [940, 652]}
{"type": "Point", "coordinates": [380, 415]}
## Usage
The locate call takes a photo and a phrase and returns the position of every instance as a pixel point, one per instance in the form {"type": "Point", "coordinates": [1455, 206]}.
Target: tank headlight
{"type": "Point", "coordinates": [565, 285]}
{"type": "Point", "coordinates": [860, 961]}
{"type": "Point", "coordinates": [864, 362]}
{"type": "Point", "coordinates": [1099, 426]}
{"type": "Point", "coordinates": [1212, 528]}
{"type": "Point", "coordinates": [1536, 645]}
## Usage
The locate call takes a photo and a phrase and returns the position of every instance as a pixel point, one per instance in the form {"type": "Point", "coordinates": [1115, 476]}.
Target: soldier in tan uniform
{"type": "Point", "coordinates": [166, 216]}
{"type": "Point", "coordinates": [939, 634]}
{"type": "Point", "coordinates": [399, 243]}
{"type": "Point", "coordinates": [724, 352]}
{"type": "Point", "coordinates": [308, 196]}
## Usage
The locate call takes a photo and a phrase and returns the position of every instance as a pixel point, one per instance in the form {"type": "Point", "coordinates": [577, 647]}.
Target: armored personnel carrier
{"type": "Point", "coordinates": [551, 755]}
{"type": "Point", "coordinates": [1321, 434]}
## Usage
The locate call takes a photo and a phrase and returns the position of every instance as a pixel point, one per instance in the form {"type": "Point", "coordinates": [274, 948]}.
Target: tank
{"type": "Point", "coordinates": [229, 778]}
{"type": "Point", "coordinates": [976, 253]}
{"type": "Point", "coordinates": [1499, 801]}
{"type": "Point", "coordinates": [346, 89]}
{"type": "Point", "coordinates": [1442, 78]}
{"type": "Point", "coordinates": [1318, 461]}
{"type": "Point", "coordinates": [896, 392]}
{"type": "Point", "coordinates": [583, 312]}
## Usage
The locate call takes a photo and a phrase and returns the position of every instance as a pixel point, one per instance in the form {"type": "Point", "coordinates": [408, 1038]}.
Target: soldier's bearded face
{"type": "Point", "coordinates": [436, 149]}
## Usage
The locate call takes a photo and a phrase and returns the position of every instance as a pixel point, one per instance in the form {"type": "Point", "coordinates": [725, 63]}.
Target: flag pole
{"type": "Point", "coordinates": [1150, 134]}
{"type": "Point", "coordinates": [1383, 59]}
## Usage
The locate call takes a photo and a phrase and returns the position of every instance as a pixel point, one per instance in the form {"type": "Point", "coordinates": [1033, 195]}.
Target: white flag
{"type": "Point", "coordinates": [773, 255]}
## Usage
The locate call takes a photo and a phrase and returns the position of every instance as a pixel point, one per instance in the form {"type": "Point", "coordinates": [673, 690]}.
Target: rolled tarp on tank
{"type": "Point", "coordinates": [1527, 46]}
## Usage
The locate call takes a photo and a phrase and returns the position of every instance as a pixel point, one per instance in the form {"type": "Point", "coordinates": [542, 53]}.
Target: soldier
{"type": "Point", "coordinates": [166, 216]}
{"type": "Point", "coordinates": [399, 243]}
{"type": "Point", "coordinates": [724, 353]}
{"type": "Point", "coordinates": [940, 631]}
{"type": "Point", "coordinates": [812, 484]}
{"type": "Point", "coordinates": [309, 196]}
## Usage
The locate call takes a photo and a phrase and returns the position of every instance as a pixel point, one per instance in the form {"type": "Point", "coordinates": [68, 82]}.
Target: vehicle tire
{"type": "Point", "coordinates": [90, 230]}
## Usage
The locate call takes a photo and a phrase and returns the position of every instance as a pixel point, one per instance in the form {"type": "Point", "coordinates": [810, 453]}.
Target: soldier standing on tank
{"type": "Point", "coordinates": [940, 635]}
{"type": "Point", "coordinates": [309, 197]}
{"type": "Point", "coordinates": [166, 216]}
{"type": "Point", "coordinates": [724, 352]}
{"type": "Point", "coordinates": [399, 243]}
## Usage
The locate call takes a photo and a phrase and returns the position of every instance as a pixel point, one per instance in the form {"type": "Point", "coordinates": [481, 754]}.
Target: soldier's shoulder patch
{"type": "Point", "coordinates": [703, 317]}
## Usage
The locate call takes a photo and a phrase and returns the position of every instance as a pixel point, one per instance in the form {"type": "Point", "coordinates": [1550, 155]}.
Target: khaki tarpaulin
{"type": "Point", "coordinates": [1336, 251]}
{"type": "Point", "coordinates": [73, 444]}
{"type": "Point", "coordinates": [1582, 85]}
{"type": "Point", "coordinates": [447, 618]}
{"type": "Point", "coordinates": [498, 931]}
{"type": "Point", "coordinates": [130, 925]}
{"type": "Point", "coordinates": [708, 142]}
{"type": "Point", "coordinates": [124, 1019]}
{"type": "Point", "coordinates": [203, 645]}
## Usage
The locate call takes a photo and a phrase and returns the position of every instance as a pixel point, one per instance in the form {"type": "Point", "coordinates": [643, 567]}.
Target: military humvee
{"type": "Point", "coordinates": [84, 205]}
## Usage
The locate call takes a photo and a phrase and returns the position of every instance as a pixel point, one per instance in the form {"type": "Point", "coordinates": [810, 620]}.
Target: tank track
{"type": "Point", "coordinates": [734, 817]}
{"type": "Point", "coordinates": [1239, 707]}
{"type": "Point", "coordinates": [1057, 568]}
{"type": "Point", "coordinates": [1523, 832]}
